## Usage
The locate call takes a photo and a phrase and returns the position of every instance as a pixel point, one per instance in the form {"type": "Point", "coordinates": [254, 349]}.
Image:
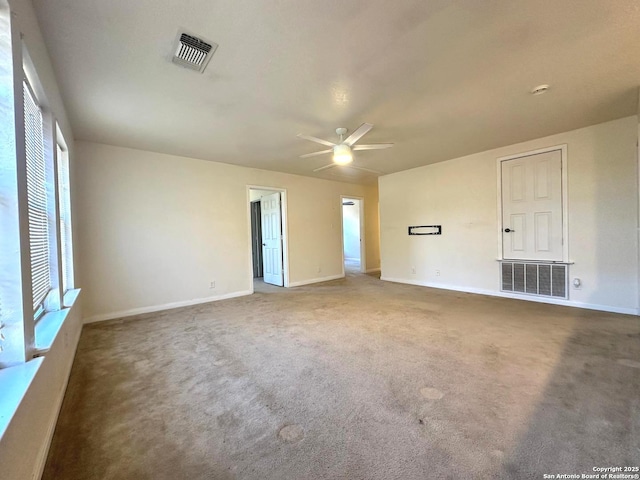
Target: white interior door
{"type": "Point", "coordinates": [532, 207]}
{"type": "Point", "coordinates": [272, 239]}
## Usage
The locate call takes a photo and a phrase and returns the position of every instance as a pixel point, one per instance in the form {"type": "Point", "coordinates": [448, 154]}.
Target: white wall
{"type": "Point", "coordinates": [25, 443]}
{"type": "Point", "coordinates": [351, 229]}
{"type": "Point", "coordinates": [155, 229]}
{"type": "Point", "coordinates": [461, 195]}
{"type": "Point", "coordinates": [372, 229]}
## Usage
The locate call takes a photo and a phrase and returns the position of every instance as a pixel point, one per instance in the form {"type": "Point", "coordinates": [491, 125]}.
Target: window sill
{"type": "Point", "coordinates": [47, 328]}
{"type": "Point", "coordinates": [70, 297]}
{"type": "Point", "coordinates": [15, 383]}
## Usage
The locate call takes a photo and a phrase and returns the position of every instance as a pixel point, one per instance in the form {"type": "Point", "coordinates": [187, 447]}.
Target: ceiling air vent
{"type": "Point", "coordinates": [193, 52]}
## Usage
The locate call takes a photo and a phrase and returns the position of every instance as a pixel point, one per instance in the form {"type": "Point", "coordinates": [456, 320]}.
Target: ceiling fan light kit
{"type": "Point", "coordinates": [343, 151]}
{"type": "Point", "coordinates": [342, 154]}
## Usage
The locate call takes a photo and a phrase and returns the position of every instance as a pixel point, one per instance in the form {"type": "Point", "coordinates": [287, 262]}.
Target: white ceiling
{"type": "Point", "coordinates": [440, 78]}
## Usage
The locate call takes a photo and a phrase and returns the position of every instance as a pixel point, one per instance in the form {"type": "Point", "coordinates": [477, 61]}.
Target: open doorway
{"type": "Point", "coordinates": [353, 234]}
{"type": "Point", "coordinates": [267, 218]}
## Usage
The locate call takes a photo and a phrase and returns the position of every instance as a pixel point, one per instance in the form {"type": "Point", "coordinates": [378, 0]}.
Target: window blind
{"type": "Point", "coordinates": [36, 199]}
{"type": "Point", "coordinates": [65, 219]}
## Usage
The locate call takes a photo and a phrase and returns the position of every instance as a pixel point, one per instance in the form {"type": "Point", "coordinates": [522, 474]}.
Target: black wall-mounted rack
{"type": "Point", "coordinates": [425, 230]}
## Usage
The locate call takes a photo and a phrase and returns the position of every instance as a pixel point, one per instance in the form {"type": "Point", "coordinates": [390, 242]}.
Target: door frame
{"type": "Point", "coordinates": [285, 232]}
{"type": "Point", "coordinates": [565, 207]}
{"type": "Point", "coordinates": [363, 250]}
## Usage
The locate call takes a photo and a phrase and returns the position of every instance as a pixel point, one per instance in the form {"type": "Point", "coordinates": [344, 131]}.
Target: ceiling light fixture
{"type": "Point", "coordinates": [342, 154]}
{"type": "Point", "coordinates": [540, 89]}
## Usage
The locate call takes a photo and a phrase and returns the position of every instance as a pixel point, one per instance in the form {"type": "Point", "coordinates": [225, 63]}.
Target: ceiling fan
{"type": "Point", "coordinates": [343, 151]}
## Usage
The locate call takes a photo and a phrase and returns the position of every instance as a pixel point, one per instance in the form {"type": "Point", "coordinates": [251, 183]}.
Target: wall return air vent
{"type": "Point", "coordinates": [192, 52]}
{"type": "Point", "coordinates": [542, 279]}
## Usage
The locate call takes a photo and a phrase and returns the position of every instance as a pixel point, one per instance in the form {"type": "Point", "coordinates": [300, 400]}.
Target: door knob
{"type": "Point", "coordinates": [507, 230]}
{"type": "Point", "coordinates": [264, 244]}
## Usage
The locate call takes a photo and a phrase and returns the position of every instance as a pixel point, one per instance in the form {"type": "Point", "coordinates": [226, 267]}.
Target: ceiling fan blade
{"type": "Point", "coordinates": [307, 155]}
{"type": "Point", "coordinates": [317, 140]}
{"type": "Point", "coordinates": [358, 134]}
{"type": "Point", "coordinates": [331, 165]}
{"type": "Point", "coordinates": [377, 172]}
{"type": "Point", "coordinates": [374, 146]}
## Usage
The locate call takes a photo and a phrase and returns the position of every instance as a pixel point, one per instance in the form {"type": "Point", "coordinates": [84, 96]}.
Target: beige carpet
{"type": "Point", "coordinates": [352, 379]}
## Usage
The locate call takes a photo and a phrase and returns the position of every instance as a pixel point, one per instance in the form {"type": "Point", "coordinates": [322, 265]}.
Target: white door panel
{"type": "Point", "coordinates": [543, 231]}
{"type": "Point", "coordinates": [272, 239]}
{"type": "Point", "coordinates": [532, 207]}
{"type": "Point", "coordinates": [519, 234]}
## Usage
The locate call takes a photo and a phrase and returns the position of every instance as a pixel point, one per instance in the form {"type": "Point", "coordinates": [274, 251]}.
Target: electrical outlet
{"type": "Point", "coordinates": [437, 273]}
{"type": "Point", "coordinates": [212, 284]}
{"type": "Point", "coordinates": [413, 270]}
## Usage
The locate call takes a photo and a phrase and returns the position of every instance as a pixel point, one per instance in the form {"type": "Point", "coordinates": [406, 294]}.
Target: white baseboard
{"type": "Point", "coordinates": [167, 306]}
{"type": "Point", "coordinates": [316, 280]}
{"type": "Point", "coordinates": [530, 298]}
{"type": "Point", "coordinates": [372, 270]}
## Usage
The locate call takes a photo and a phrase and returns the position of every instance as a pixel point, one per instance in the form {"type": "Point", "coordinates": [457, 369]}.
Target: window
{"type": "Point", "coordinates": [64, 196]}
{"type": "Point", "coordinates": [36, 266]}
{"type": "Point", "coordinates": [37, 200]}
